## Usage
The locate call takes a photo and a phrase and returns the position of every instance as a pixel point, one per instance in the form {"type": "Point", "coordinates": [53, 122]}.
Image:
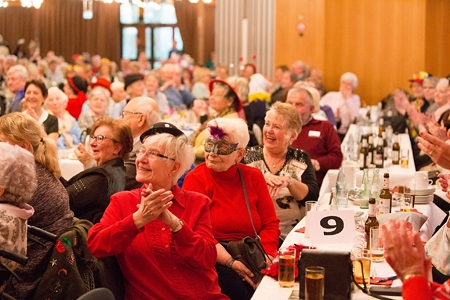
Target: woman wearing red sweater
{"type": "Point", "coordinates": [160, 234]}
{"type": "Point", "coordinates": [218, 178]}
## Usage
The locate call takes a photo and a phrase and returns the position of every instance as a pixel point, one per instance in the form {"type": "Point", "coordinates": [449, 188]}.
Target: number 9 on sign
{"type": "Point", "coordinates": [328, 227]}
{"type": "Point", "coordinates": [334, 224]}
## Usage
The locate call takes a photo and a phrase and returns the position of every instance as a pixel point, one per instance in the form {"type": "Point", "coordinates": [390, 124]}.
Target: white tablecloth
{"type": "Point", "coordinates": [70, 167]}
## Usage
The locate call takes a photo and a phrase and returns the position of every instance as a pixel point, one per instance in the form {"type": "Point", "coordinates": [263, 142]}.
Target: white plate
{"type": "Point", "coordinates": [428, 191]}
{"type": "Point", "coordinates": [423, 199]}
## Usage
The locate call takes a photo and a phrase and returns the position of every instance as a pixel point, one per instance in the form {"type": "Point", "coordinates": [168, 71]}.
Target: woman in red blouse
{"type": "Point", "coordinates": [160, 234]}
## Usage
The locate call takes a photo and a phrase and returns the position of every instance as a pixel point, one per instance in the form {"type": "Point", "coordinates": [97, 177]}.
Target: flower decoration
{"type": "Point", "coordinates": [216, 132]}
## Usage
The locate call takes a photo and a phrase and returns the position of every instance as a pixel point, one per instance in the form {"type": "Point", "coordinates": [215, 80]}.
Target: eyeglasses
{"type": "Point", "coordinates": [220, 146]}
{"type": "Point", "coordinates": [100, 138]}
{"type": "Point", "coordinates": [125, 112]}
{"type": "Point", "coordinates": [149, 153]}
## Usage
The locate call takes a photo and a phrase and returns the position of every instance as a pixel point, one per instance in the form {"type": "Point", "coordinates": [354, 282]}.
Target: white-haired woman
{"type": "Point", "coordinates": [160, 229]}
{"type": "Point", "coordinates": [345, 104]}
{"type": "Point", "coordinates": [98, 103]}
{"type": "Point", "coordinates": [68, 129]}
{"type": "Point", "coordinates": [219, 179]}
{"type": "Point", "coordinates": [17, 185]}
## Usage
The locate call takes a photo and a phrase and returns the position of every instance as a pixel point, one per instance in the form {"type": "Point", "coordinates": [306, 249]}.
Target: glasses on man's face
{"type": "Point", "coordinates": [100, 138]}
{"type": "Point", "coordinates": [126, 112]}
{"type": "Point", "coordinates": [219, 146]}
{"type": "Point", "coordinates": [150, 153]}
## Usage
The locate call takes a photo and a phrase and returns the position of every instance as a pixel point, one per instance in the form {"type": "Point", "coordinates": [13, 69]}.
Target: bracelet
{"type": "Point", "coordinates": [179, 226]}
{"type": "Point", "coordinates": [411, 275]}
{"type": "Point", "coordinates": [229, 264]}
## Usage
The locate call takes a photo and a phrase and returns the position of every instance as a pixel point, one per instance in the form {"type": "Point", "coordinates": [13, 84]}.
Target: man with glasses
{"type": "Point", "coordinates": [140, 114]}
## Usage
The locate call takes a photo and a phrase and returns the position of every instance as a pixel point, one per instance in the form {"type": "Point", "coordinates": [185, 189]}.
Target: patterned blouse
{"type": "Point", "coordinates": [298, 166]}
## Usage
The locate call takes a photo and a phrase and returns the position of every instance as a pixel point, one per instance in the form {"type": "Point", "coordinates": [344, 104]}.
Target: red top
{"type": "Point", "coordinates": [229, 214]}
{"type": "Point", "coordinates": [157, 264]}
{"type": "Point", "coordinates": [75, 104]}
{"type": "Point", "coordinates": [324, 147]}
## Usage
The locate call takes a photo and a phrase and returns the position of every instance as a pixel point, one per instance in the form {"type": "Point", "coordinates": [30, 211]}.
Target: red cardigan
{"type": "Point", "coordinates": [157, 264]}
{"type": "Point", "coordinates": [326, 148]}
{"type": "Point", "coordinates": [229, 215]}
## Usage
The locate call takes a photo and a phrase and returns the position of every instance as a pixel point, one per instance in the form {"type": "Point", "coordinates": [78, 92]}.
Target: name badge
{"type": "Point", "coordinates": [329, 227]}
{"type": "Point", "coordinates": [314, 133]}
{"type": "Point", "coordinates": [297, 164]}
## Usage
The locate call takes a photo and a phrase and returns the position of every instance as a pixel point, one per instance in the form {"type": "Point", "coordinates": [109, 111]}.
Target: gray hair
{"type": "Point", "coordinates": [17, 174]}
{"type": "Point", "coordinates": [117, 85]}
{"type": "Point", "coordinates": [98, 90]}
{"type": "Point", "coordinates": [352, 77]}
{"type": "Point", "coordinates": [178, 148]}
{"type": "Point", "coordinates": [235, 128]}
{"type": "Point", "coordinates": [56, 91]}
{"type": "Point", "coordinates": [431, 79]}
{"type": "Point", "coordinates": [443, 82]}
{"type": "Point", "coordinates": [21, 70]}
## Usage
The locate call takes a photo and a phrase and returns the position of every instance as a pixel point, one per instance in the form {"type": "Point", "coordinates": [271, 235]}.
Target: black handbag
{"type": "Point", "coordinates": [249, 251]}
{"type": "Point", "coordinates": [338, 271]}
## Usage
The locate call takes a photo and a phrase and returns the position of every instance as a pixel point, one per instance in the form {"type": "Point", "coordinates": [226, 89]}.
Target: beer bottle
{"type": "Point", "coordinates": [379, 156]}
{"type": "Point", "coordinates": [371, 220]}
{"type": "Point", "coordinates": [363, 154]}
{"type": "Point", "coordinates": [381, 126]}
{"type": "Point", "coordinates": [370, 148]}
{"type": "Point", "coordinates": [395, 150]}
{"type": "Point", "coordinates": [385, 196]}
{"type": "Point", "coordinates": [385, 144]}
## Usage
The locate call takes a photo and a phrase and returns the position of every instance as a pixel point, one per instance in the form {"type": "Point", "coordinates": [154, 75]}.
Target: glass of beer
{"type": "Point", "coordinates": [286, 267]}
{"type": "Point", "coordinates": [404, 158]}
{"type": "Point", "coordinates": [314, 283]}
{"type": "Point", "coordinates": [376, 246]}
{"type": "Point", "coordinates": [361, 267]}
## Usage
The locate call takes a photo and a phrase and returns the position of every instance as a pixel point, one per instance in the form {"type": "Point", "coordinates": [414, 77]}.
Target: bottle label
{"type": "Point", "coordinates": [386, 183]}
{"type": "Point", "coordinates": [371, 211]}
{"type": "Point", "coordinates": [395, 155]}
{"type": "Point", "coordinates": [384, 206]}
{"type": "Point", "coordinates": [379, 159]}
{"type": "Point", "coordinates": [369, 159]}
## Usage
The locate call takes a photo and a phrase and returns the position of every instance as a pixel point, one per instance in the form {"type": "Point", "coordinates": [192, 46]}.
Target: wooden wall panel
{"type": "Point", "coordinates": [381, 41]}
{"type": "Point", "coordinates": [437, 38]}
{"type": "Point", "coordinates": [289, 45]}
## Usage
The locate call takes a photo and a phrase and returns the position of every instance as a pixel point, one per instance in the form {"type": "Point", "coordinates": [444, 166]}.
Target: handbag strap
{"type": "Point", "coordinates": [257, 238]}
{"type": "Point", "coordinates": [248, 204]}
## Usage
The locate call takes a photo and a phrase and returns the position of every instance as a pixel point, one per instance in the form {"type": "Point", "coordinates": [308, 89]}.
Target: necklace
{"type": "Point", "coordinates": [275, 164]}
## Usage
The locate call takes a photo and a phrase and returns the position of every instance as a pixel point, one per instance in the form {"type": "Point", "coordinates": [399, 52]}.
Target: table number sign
{"type": "Point", "coordinates": [329, 227]}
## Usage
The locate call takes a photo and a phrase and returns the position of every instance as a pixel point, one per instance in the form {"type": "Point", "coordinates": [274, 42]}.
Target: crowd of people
{"type": "Point", "coordinates": [158, 201]}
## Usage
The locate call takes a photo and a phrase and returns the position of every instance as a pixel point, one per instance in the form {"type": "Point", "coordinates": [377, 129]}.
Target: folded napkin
{"type": "Point", "coordinates": [373, 281]}
{"type": "Point", "coordinates": [301, 230]}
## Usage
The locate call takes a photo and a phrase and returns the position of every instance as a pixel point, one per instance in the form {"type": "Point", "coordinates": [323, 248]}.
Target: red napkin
{"type": "Point", "coordinates": [301, 230]}
{"type": "Point", "coordinates": [373, 281]}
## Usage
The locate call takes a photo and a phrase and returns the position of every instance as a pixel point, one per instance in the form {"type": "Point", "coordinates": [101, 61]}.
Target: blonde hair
{"type": "Point", "coordinates": [200, 72]}
{"type": "Point", "coordinates": [19, 128]}
{"type": "Point", "coordinates": [289, 114]}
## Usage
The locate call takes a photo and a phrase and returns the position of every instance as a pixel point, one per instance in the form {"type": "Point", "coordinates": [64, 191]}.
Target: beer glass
{"type": "Point", "coordinates": [314, 283]}
{"type": "Point", "coordinates": [286, 267]}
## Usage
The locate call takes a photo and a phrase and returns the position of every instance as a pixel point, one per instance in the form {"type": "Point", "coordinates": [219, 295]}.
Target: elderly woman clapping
{"type": "Point", "coordinates": [17, 185]}
{"type": "Point", "coordinates": [159, 228]}
{"type": "Point", "coordinates": [68, 129]}
{"type": "Point", "coordinates": [219, 179]}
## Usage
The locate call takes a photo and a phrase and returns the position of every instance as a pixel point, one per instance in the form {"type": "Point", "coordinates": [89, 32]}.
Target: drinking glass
{"type": "Point", "coordinates": [361, 267]}
{"type": "Point", "coordinates": [404, 158]}
{"type": "Point", "coordinates": [376, 246]}
{"type": "Point", "coordinates": [314, 283]}
{"type": "Point", "coordinates": [286, 267]}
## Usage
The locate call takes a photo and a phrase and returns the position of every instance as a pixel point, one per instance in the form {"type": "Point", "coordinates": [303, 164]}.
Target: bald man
{"type": "Point", "coordinates": [140, 113]}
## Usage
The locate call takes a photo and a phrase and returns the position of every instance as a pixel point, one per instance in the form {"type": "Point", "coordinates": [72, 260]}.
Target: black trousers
{"type": "Point", "coordinates": [232, 285]}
